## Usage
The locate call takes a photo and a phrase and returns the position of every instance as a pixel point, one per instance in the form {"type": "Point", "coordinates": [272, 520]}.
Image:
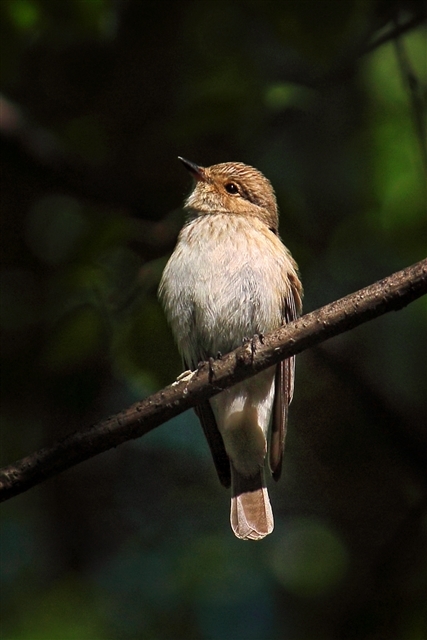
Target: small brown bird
{"type": "Point", "coordinates": [230, 277]}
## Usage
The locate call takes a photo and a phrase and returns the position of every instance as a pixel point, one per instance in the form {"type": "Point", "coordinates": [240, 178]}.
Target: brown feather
{"type": "Point", "coordinates": [216, 444]}
{"type": "Point", "coordinates": [279, 421]}
{"type": "Point", "coordinates": [283, 389]}
{"type": "Point", "coordinates": [251, 516]}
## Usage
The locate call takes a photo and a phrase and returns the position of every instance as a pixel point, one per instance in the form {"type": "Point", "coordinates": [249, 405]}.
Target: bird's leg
{"type": "Point", "coordinates": [211, 371]}
{"type": "Point", "coordinates": [257, 338]}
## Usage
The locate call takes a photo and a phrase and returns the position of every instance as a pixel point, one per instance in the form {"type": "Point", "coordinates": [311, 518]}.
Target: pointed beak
{"type": "Point", "coordinates": [197, 172]}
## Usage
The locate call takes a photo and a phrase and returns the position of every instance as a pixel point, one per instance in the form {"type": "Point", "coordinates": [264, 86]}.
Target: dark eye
{"type": "Point", "coordinates": [231, 187]}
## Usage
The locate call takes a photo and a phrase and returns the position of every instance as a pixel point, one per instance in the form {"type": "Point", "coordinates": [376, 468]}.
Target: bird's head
{"type": "Point", "coordinates": [232, 188]}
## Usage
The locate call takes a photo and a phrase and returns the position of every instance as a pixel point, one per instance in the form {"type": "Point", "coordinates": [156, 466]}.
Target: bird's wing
{"type": "Point", "coordinates": [222, 463]}
{"type": "Point", "coordinates": [283, 392]}
{"type": "Point", "coordinates": [216, 444]}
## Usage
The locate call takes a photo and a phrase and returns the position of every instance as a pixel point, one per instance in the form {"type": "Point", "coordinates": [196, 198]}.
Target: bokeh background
{"type": "Point", "coordinates": [99, 97]}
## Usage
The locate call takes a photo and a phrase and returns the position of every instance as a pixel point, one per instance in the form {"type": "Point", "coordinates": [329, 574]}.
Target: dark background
{"type": "Point", "coordinates": [99, 98]}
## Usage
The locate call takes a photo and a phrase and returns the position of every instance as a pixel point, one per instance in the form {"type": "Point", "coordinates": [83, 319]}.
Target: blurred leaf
{"type": "Point", "coordinates": [68, 611]}
{"type": "Point", "coordinates": [24, 13]}
{"type": "Point", "coordinates": [309, 559]}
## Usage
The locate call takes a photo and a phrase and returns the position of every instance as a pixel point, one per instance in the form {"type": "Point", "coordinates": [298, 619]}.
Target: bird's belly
{"type": "Point", "coordinates": [231, 303]}
{"type": "Point", "coordinates": [225, 282]}
{"type": "Point", "coordinates": [219, 288]}
{"type": "Point", "coordinates": [243, 415]}
{"type": "Point", "coordinates": [231, 300]}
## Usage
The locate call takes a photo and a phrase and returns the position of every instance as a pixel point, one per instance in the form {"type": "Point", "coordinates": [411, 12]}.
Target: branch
{"type": "Point", "coordinates": [396, 32]}
{"type": "Point", "coordinates": [390, 294]}
{"type": "Point", "coordinates": [344, 70]}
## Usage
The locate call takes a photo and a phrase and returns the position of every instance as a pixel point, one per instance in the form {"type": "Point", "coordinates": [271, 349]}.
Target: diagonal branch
{"type": "Point", "coordinates": [390, 294]}
{"type": "Point", "coordinates": [396, 32]}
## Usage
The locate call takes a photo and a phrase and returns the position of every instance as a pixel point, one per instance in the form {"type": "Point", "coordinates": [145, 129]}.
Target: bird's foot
{"type": "Point", "coordinates": [185, 376]}
{"type": "Point", "coordinates": [251, 343]}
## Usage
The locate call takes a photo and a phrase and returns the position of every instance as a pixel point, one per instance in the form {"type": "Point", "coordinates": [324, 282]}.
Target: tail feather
{"type": "Point", "coordinates": [251, 516]}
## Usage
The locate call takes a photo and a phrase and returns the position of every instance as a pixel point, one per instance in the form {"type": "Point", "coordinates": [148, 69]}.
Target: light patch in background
{"type": "Point", "coordinates": [24, 14]}
{"type": "Point", "coordinates": [283, 95]}
{"type": "Point", "coordinates": [308, 559]}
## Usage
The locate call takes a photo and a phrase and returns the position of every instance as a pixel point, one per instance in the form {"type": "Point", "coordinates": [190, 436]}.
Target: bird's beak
{"type": "Point", "coordinates": [197, 172]}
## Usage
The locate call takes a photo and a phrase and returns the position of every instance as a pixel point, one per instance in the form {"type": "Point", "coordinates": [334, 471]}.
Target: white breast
{"type": "Point", "coordinates": [226, 280]}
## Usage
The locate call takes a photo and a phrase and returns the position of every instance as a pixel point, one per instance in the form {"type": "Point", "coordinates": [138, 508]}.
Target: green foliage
{"type": "Point", "coordinates": [52, 614]}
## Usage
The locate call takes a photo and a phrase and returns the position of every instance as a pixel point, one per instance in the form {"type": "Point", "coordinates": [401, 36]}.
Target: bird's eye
{"type": "Point", "coordinates": [231, 187]}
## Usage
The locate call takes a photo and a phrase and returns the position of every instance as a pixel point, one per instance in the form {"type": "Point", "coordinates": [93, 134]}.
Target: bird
{"type": "Point", "coordinates": [230, 278]}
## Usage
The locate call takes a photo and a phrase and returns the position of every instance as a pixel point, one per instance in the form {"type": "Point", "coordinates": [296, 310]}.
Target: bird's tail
{"type": "Point", "coordinates": [251, 516]}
